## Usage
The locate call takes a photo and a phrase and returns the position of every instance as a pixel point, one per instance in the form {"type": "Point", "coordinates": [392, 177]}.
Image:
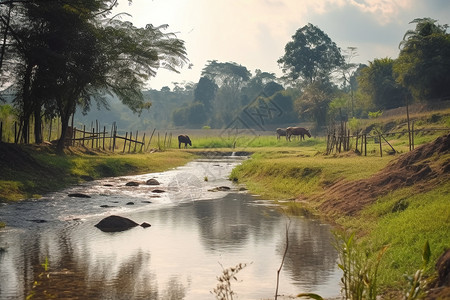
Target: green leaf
{"type": "Point", "coordinates": [310, 295]}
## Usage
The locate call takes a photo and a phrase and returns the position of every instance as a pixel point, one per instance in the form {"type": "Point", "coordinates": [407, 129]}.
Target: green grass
{"type": "Point", "coordinates": [51, 172]}
{"type": "Point", "coordinates": [287, 173]}
{"type": "Point", "coordinates": [405, 220]}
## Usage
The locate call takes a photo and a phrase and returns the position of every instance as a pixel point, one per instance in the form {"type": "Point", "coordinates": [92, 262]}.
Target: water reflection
{"type": "Point", "coordinates": [178, 257]}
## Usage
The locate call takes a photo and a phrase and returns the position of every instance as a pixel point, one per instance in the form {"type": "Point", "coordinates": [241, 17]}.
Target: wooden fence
{"type": "Point", "coordinates": [340, 140]}
{"type": "Point", "coordinates": [97, 137]}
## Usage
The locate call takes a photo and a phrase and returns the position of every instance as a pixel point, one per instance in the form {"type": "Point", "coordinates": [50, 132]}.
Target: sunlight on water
{"type": "Point", "coordinates": [195, 230]}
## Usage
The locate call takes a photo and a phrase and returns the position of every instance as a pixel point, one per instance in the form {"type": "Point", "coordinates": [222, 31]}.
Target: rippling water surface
{"type": "Point", "coordinates": [196, 231]}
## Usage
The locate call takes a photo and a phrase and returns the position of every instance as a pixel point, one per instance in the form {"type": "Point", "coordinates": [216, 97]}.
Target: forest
{"type": "Point", "coordinates": [48, 72]}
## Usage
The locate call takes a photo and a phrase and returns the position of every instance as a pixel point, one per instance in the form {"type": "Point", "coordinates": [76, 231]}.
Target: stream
{"type": "Point", "coordinates": [51, 248]}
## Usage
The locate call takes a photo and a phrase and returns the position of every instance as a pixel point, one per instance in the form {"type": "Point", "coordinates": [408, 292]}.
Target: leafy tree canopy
{"type": "Point", "coordinates": [423, 65]}
{"type": "Point", "coordinates": [229, 73]}
{"type": "Point", "coordinates": [378, 81]}
{"type": "Point", "coordinates": [310, 56]}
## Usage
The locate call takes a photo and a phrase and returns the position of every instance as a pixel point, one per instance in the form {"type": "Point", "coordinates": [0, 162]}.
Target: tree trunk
{"type": "Point", "coordinates": [62, 139]}
{"type": "Point", "coordinates": [38, 139]}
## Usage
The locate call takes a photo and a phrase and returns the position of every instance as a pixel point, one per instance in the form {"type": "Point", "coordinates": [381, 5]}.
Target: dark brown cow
{"type": "Point", "coordinates": [297, 131]}
{"type": "Point", "coordinates": [184, 139]}
{"type": "Point", "coordinates": [280, 132]}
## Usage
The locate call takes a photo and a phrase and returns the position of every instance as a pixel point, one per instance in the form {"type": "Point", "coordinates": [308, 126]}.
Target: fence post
{"type": "Point", "coordinates": [104, 134]}
{"type": "Point", "coordinates": [92, 137]}
{"type": "Point", "coordinates": [129, 143]}
{"type": "Point", "coordinates": [125, 141]}
{"type": "Point", "coordinates": [381, 149]}
{"type": "Point", "coordinates": [153, 132]}
{"type": "Point", "coordinates": [113, 138]}
{"type": "Point", "coordinates": [159, 145]}
{"type": "Point", "coordinates": [135, 140]}
{"type": "Point", "coordinates": [143, 142]}
{"type": "Point", "coordinates": [365, 145]}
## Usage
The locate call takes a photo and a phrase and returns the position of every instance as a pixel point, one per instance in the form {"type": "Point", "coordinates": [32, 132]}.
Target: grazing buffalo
{"type": "Point", "coordinates": [184, 139]}
{"type": "Point", "coordinates": [280, 132]}
{"type": "Point", "coordinates": [297, 131]}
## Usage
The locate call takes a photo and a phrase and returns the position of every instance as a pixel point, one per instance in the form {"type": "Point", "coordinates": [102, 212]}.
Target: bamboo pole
{"type": "Point", "coordinates": [125, 141]}
{"type": "Point", "coordinates": [131, 139]}
{"type": "Point", "coordinates": [143, 142]}
{"type": "Point", "coordinates": [135, 141]}
{"type": "Point", "coordinates": [151, 138]}
{"type": "Point", "coordinates": [104, 134]}
{"type": "Point", "coordinates": [379, 140]}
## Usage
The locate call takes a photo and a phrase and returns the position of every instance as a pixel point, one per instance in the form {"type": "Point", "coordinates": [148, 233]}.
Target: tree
{"type": "Point", "coordinates": [378, 82]}
{"type": "Point", "coordinates": [423, 65]}
{"type": "Point", "coordinates": [205, 92]}
{"type": "Point", "coordinates": [310, 56]}
{"type": "Point", "coordinates": [87, 57]}
{"type": "Point", "coordinates": [314, 102]}
{"type": "Point", "coordinates": [230, 78]}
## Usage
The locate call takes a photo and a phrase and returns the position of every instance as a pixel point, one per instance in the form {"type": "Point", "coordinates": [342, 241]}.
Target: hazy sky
{"type": "Point", "coordinates": [253, 33]}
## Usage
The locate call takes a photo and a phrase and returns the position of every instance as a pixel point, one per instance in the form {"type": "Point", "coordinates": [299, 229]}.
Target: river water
{"type": "Point", "coordinates": [51, 248]}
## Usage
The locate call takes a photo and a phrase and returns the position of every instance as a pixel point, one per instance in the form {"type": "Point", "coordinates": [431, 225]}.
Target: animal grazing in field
{"type": "Point", "coordinates": [297, 131]}
{"type": "Point", "coordinates": [280, 132]}
{"type": "Point", "coordinates": [184, 139]}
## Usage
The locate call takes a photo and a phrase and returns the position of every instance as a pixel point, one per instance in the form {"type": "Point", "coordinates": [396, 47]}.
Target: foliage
{"type": "Point", "coordinates": [205, 92]}
{"type": "Point", "coordinates": [417, 283]}
{"type": "Point", "coordinates": [69, 53]}
{"type": "Point", "coordinates": [378, 82]}
{"type": "Point", "coordinates": [310, 56]}
{"type": "Point", "coordinates": [313, 104]}
{"type": "Point", "coordinates": [223, 290]}
{"type": "Point", "coordinates": [360, 273]}
{"type": "Point", "coordinates": [424, 56]}
{"type": "Point", "coordinates": [375, 114]}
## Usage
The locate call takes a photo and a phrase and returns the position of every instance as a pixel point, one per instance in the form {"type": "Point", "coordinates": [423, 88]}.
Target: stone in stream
{"type": "Point", "coordinates": [152, 181]}
{"type": "Point", "coordinates": [79, 195]}
{"type": "Point", "coordinates": [220, 189]}
{"type": "Point", "coordinates": [115, 224]}
{"type": "Point", "coordinates": [145, 225]}
{"type": "Point", "coordinates": [158, 191]}
{"type": "Point", "coordinates": [132, 183]}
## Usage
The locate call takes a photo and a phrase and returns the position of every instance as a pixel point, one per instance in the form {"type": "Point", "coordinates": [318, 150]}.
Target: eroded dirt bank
{"type": "Point", "coordinates": [423, 169]}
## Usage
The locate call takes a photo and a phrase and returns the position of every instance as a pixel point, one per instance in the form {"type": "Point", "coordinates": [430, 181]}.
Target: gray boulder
{"type": "Point", "coordinates": [152, 181]}
{"type": "Point", "coordinates": [115, 224]}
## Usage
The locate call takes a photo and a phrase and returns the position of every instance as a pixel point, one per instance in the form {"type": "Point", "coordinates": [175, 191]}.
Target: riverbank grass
{"type": "Point", "coordinates": [43, 171]}
{"type": "Point", "coordinates": [275, 174]}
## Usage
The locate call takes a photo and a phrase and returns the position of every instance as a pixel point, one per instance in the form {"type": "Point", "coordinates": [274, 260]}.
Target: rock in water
{"type": "Point", "coordinates": [79, 195]}
{"type": "Point", "coordinates": [115, 224]}
{"type": "Point", "coordinates": [152, 181]}
{"type": "Point", "coordinates": [145, 225]}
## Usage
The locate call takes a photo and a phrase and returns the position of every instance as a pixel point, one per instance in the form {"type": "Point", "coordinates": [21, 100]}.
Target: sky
{"type": "Point", "coordinates": [253, 33]}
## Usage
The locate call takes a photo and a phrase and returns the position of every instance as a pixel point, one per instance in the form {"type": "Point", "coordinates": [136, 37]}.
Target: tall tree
{"type": "Point", "coordinates": [314, 102]}
{"type": "Point", "coordinates": [378, 82]}
{"type": "Point", "coordinates": [87, 56]}
{"type": "Point", "coordinates": [230, 78]}
{"type": "Point", "coordinates": [310, 56]}
{"type": "Point", "coordinates": [204, 92]}
{"type": "Point", "coordinates": [423, 65]}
